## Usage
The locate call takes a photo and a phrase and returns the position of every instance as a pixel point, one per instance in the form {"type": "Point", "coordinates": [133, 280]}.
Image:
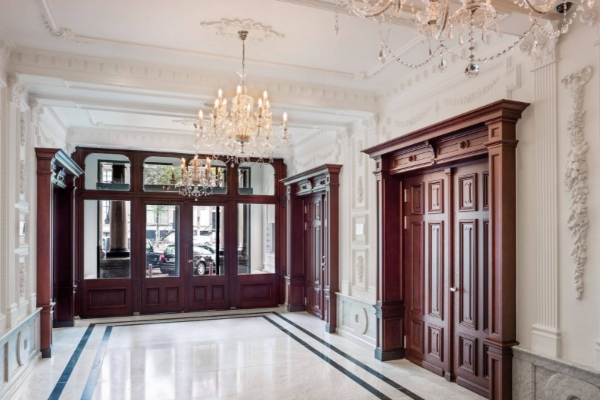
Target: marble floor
{"type": "Point", "coordinates": [248, 355]}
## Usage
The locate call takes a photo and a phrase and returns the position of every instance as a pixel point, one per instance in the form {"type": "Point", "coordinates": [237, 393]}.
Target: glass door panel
{"type": "Point", "coordinates": [256, 279]}
{"type": "Point", "coordinates": [208, 289]}
{"type": "Point", "coordinates": [163, 288]}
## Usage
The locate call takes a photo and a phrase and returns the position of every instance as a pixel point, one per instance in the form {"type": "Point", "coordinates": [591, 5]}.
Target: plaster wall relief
{"type": "Point", "coordinates": [229, 28]}
{"type": "Point", "coordinates": [576, 174]}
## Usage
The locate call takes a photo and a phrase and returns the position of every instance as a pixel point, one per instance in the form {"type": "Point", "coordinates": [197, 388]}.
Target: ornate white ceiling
{"type": "Point", "coordinates": [140, 65]}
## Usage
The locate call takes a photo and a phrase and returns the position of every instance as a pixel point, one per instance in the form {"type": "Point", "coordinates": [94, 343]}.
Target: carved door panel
{"type": "Point", "coordinates": [469, 286]}
{"type": "Point", "coordinates": [426, 266]}
{"type": "Point", "coordinates": [315, 254]}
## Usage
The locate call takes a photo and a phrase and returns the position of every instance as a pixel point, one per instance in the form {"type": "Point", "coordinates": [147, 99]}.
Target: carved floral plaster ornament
{"type": "Point", "coordinates": [22, 278]}
{"type": "Point", "coordinates": [576, 174]}
{"type": "Point", "coordinates": [63, 33]}
{"type": "Point", "coordinates": [471, 97]}
{"type": "Point", "coordinates": [230, 27]}
{"type": "Point", "coordinates": [359, 190]}
{"type": "Point", "coordinates": [360, 267]}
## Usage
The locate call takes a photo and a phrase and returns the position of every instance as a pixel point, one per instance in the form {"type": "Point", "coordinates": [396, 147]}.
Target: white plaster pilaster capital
{"type": "Point", "coordinates": [541, 49]}
{"type": "Point", "coordinates": [37, 109]}
{"type": "Point", "coordinates": [17, 88]}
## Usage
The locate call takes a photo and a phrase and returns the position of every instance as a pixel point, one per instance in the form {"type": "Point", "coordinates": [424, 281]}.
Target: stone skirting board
{"type": "Point", "coordinates": [356, 320]}
{"type": "Point", "coordinates": [539, 377]}
{"type": "Point", "coordinates": [19, 353]}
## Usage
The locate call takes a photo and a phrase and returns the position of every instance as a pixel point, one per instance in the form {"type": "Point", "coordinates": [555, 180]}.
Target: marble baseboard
{"type": "Point", "coordinates": [356, 321]}
{"type": "Point", "coordinates": [19, 353]}
{"type": "Point", "coordinates": [540, 377]}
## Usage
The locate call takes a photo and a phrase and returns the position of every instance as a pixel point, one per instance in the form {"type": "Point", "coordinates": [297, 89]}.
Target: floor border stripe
{"type": "Point", "coordinates": [90, 385]}
{"type": "Point", "coordinates": [334, 364]}
{"type": "Point", "coordinates": [64, 377]}
{"type": "Point", "coordinates": [370, 370]}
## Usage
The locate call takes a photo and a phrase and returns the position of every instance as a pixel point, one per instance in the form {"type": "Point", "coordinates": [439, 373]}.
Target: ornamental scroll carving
{"type": "Point", "coordinates": [576, 174]}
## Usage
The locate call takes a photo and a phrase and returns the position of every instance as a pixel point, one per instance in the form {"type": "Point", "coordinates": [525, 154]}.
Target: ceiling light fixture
{"type": "Point", "coordinates": [437, 23]}
{"type": "Point", "coordinates": [198, 178]}
{"type": "Point", "coordinates": [242, 133]}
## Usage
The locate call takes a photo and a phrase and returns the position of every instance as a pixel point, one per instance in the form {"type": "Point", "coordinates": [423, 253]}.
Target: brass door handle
{"type": "Point", "coordinates": [454, 289]}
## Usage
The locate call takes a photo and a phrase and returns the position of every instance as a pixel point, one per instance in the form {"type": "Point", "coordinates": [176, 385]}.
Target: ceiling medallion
{"type": "Point", "coordinates": [241, 133]}
{"type": "Point", "coordinates": [438, 24]}
{"type": "Point", "coordinates": [230, 28]}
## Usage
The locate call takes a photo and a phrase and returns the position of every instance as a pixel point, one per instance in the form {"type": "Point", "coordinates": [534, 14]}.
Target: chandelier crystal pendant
{"type": "Point", "coordinates": [242, 132]}
{"type": "Point", "coordinates": [434, 20]}
{"type": "Point", "coordinates": [198, 178]}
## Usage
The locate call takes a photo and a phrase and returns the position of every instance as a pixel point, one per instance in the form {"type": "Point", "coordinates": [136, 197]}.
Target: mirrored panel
{"type": "Point", "coordinates": [106, 238]}
{"type": "Point", "coordinates": [107, 172]}
{"type": "Point", "coordinates": [162, 241]}
{"type": "Point", "coordinates": [256, 178]}
{"type": "Point", "coordinates": [208, 230]}
{"type": "Point", "coordinates": [256, 239]}
{"type": "Point", "coordinates": [161, 174]}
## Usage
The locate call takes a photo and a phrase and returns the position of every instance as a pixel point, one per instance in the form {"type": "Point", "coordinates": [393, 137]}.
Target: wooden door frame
{"type": "Point", "coordinates": [269, 288]}
{"type": "Point", "coordinates": [54, 169]}
{"type": "Point", "coordinates": [444, 144]}
{"type": "Point", "coordinates": [325, 178]}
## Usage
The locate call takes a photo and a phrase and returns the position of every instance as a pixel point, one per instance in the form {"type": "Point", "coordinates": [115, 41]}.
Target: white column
{"type": "Point", "coordinates": [545, 333]}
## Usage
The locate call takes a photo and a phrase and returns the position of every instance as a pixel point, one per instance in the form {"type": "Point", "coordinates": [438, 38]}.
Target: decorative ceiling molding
{"type": "Point", "coordinates": [256, 31]}
{"type": "Point", "coordinates": [576, 174]}
{"type": "Point", "coordinates": [103, 71]}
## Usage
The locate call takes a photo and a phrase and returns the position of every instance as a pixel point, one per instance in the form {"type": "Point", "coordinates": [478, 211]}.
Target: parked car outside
{"type": "Point", "coordinates": [151, 256]}
{"type": "Point", "coordinates": [203, 260]}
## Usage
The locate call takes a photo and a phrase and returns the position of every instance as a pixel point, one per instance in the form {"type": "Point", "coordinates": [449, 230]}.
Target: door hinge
{"type": "Point", "coordinates": [405, 221]}
{"type": "Point", "coordinates": [405, 195]}
{"type": "Point", "coordinates": [305, 301]}
{"type": "Point", "coordinates": [404, 341]}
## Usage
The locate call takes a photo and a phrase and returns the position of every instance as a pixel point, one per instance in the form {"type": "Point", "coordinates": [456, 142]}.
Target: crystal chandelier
{"type": "Point", "coordinates": [474, 17]}
{"type": "Point", "coordinates": [242, 132]}
{"type": "Point", "coordinates": [198, 178]}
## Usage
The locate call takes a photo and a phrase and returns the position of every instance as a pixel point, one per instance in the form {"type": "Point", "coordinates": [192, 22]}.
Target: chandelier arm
{"type": "Point", "coordinates": [367, 12]}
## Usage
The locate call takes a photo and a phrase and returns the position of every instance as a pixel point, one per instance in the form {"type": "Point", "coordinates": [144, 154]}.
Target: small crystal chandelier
{"type": "Point", "coordinates": [198, 178]}
{"type": "Point", "coordinates": [242, 132]}
{"type": "Point", "coordinates": [436, 23]}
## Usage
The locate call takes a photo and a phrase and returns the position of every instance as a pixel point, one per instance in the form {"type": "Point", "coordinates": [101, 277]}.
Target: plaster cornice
{"type": "Point", "coordinates": [156, 77]}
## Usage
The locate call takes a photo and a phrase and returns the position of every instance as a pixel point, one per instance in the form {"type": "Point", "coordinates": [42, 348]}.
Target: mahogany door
{"type": "Point", "coordinates": [164, 273]}
{"type": "Point", "coordinates": [427, 270]}
{"type": "Point", "coordinates": [315, 253]}
{"type": "Point", "coordinates": [471, 274]}
{"type": "Point", "coordinates": [208, 287]}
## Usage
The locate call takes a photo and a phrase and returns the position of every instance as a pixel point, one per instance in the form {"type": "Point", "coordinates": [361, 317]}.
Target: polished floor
{"type": "Point", "coordinates": [249, 355]}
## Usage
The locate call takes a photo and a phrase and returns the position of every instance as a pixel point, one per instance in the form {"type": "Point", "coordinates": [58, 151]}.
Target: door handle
{"type": "Point", "coordinates": [190, 261]}
{"type": "Point", "coordinates": [454, 289]}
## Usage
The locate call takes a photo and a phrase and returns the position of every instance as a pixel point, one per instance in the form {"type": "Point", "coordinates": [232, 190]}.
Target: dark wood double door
{"type": "Point", "coordinates": [446, 244]}
{"type": "Point", "coordinates": [184, 275]}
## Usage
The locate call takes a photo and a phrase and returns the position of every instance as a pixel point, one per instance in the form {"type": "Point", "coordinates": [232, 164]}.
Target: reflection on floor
{"type": "Point", "coordinates": [248, 355]}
